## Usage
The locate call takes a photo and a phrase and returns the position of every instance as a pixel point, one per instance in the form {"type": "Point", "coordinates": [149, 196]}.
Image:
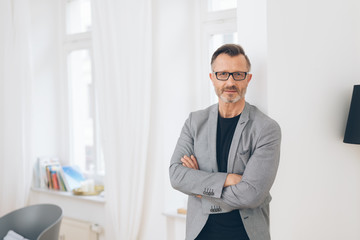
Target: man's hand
{"type": "Point", "coordinates": [232, 179]}
{"type": "Point", "coordinates": [190, 162]}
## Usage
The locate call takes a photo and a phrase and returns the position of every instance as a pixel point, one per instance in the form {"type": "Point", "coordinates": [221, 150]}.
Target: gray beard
{"type": "Point", "coordinates": [234, 100]}
{"type": "Point", "coordinates": [230, 100]}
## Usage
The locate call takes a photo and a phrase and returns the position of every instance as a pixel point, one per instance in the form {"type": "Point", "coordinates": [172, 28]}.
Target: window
{"type": "Point", "coordinates": [218, 23]}
{"type": "Point", "coordinates": [78, 16]}
{"type": "Point", "coordinates": [83, 148]}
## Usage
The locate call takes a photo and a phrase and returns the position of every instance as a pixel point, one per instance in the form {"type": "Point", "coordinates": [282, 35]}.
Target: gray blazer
{"type": "Point", "coordinates": [254, 153]}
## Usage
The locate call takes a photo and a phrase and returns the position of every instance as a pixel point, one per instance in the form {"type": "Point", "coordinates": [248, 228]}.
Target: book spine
{"type": "Point", "coordinates": [64, 180]}
{"type": "Point", "coordinates": [61, 181]}
{"type": "Point", "coordinates": [49, 180]}
{"type": "Point", "coordinates": [55, 180]}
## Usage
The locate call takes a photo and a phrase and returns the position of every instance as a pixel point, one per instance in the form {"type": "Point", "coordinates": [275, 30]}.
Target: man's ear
{"type": "Point", "coordinates": [249, 77]}
{"type": "Point", "coordinates": [211, 75]}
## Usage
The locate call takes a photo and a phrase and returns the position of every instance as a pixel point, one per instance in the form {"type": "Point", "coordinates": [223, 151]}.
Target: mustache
{"type": "Point", "coordinates": [232, 88]}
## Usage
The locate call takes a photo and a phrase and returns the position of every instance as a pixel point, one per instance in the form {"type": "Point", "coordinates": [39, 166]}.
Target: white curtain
{"type": "Point", "coordinates": [122, 60]}
{"type": "Point", "coordinates": [15, 86]}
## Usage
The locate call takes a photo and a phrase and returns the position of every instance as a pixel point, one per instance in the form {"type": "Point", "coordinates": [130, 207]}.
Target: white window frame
{"type": "Point", "coordinates": [70, 43]}
{"type": "Point", "coordinates": [212, 22]}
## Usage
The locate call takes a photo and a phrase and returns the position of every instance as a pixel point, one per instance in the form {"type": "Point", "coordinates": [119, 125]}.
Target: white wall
{"type": "Point", "coordinates": [313, 63]}
{"type": "Point", "coordinates": [252, 31]}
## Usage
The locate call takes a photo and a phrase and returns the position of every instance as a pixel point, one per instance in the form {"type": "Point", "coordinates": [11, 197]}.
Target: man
{"type": "Point", "coordinates": [227, 157]}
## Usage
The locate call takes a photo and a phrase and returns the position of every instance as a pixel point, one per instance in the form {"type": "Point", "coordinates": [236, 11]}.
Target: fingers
{"type": "Point", "coordinates": [194, 161]}
{"type": "Point", "coordinates": [232, 179]}
{"type": "Point", "coordinates": [190, 162]}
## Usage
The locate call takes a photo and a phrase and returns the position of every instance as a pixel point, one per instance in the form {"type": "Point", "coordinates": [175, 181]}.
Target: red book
{"type": "Point", "coordinates": [55, 181]}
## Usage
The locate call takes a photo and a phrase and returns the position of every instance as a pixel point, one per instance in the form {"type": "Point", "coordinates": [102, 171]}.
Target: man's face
{"type": "Point", "coordinates": [230, 91]}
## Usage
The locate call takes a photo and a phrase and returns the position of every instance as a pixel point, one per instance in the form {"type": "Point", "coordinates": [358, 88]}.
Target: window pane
{"type": "Point", "coordinates": [215, 41]}
{"type": "Point", "coordinates": [78, 16]}
{"type": "Point", "coordinates": [81, 110]}
{"type": "Point", "coordinates": [218, 5]}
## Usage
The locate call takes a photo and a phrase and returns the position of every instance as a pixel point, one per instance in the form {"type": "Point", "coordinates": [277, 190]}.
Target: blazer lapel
{"type": "Point", "coordinates": [213, 118]}
{"type": "Point", "coordinates": [237, 135]}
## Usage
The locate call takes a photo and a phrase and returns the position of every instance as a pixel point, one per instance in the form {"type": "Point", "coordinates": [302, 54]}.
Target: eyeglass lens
{"type": "Point", "coordinates": [226, 75]}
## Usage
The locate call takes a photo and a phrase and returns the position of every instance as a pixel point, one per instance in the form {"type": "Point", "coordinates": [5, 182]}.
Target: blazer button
{"type": "Point", "coordinates": [215, 209]}
{"type": "Point", "coordinates": [208, 191]}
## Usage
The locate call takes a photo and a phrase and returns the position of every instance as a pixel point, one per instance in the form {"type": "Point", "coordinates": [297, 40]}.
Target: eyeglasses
{"type": "Point", "coordinates": [237, 76]}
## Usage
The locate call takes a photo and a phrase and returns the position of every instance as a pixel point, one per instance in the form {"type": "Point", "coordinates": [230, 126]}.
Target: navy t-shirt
{"type": "Point", "coordinates": [224, 226]}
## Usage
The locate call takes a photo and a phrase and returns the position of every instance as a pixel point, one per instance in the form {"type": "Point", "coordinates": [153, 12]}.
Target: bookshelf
{"type": "Point", "coordinates": [97, 198]}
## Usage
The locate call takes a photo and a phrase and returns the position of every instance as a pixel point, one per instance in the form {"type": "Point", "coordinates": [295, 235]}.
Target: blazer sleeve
{"type": "Point", "coordinates": [259, 174]}
{"type": "Point", "coordinates": [191, 181]}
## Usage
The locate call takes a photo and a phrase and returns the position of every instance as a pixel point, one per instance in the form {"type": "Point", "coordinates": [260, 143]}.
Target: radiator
{"type": "Point", "coordinates": [72, 229]}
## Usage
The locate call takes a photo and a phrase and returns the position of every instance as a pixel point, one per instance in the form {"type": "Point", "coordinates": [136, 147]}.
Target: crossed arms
{"type": "Point", "coordinates": [191, 162]}
{"type": "Point", "coordinates": [229, 190]}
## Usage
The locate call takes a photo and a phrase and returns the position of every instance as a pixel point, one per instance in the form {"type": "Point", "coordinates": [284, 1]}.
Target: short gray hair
{"type": "Point", "coordinates": [231, 50]}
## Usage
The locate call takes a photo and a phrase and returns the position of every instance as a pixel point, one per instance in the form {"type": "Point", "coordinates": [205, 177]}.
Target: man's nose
{"type": "Point", "coordinates": [231, 80]}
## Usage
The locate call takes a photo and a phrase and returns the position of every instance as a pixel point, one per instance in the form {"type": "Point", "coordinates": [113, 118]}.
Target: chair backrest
{"type": "Point", "coordinates": [36, 222]}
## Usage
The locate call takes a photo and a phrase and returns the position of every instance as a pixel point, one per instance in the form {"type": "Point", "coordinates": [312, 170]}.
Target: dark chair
{"type": "Point", "coordinates": [36, 222]}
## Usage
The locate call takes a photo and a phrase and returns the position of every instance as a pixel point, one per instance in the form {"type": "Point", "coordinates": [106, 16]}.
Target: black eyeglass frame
{"type": "Point", "coordinates": [231, 74]}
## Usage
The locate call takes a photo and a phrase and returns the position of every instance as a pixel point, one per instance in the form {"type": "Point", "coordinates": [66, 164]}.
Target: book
{"type": "Point", "coordinates": [43, 164]}
{"type": "Point", "coordinates": [50, 175]}
{"type": "Point", "coordinates": [55, 184]}
{"type": "Point", "coordinates": [73, 176]}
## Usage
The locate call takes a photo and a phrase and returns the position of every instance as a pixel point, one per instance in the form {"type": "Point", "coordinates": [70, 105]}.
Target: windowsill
{"type": "Point", "coordinates": [97, 199]}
